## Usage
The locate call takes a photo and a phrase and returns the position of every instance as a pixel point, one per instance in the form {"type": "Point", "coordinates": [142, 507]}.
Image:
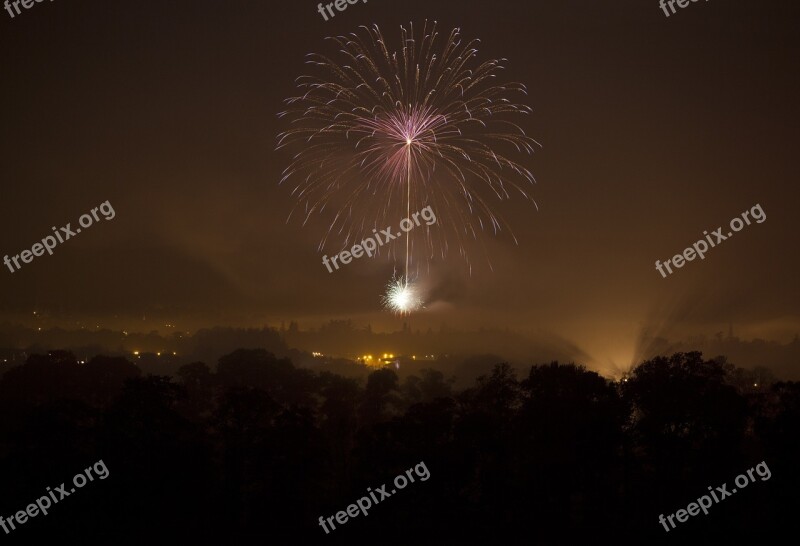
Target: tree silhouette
{"type": "Point", "coordinates": [259, 449]}
{"type": "Point", "coordinates": [380, 397]}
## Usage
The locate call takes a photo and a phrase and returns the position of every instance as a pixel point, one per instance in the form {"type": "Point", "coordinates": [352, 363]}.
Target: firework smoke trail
{"type": "Point", "coordinates": [426, 119]}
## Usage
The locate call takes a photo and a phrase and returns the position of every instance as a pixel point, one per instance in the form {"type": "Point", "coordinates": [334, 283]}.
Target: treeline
{"type": "Point", "coordinates": [257, 450]}
{"type": "Point", "coordinates": [162, 354]}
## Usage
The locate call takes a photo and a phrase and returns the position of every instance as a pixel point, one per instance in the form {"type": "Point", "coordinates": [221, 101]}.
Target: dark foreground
{"type": "Point", "coordinates": [258, 451]}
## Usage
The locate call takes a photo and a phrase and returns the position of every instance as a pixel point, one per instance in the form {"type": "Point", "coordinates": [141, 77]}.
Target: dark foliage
{"type": "Point", "coordinates": [258, 450]}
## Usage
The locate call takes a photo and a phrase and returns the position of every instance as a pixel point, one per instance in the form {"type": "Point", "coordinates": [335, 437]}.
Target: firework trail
{"type": "Point", "coordinates": [380, 133]}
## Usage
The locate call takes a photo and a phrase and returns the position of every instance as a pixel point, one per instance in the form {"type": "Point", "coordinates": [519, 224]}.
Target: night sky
{"type": "Point", "coordinates": [653, 129]}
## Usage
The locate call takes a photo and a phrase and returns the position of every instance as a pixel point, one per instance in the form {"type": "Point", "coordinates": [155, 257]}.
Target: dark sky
{"type": "Point", "coordinates": [653, 130]}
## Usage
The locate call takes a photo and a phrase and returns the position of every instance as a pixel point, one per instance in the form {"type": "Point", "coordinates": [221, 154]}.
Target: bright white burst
{"type": "Point", "coordinates": [401, 296]}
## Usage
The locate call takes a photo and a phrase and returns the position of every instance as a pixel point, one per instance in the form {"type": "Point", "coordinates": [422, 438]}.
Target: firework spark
{"type": "Point", "coordinates": [401, 296]}
{"type": "Point", "coordinates": [380, 133]}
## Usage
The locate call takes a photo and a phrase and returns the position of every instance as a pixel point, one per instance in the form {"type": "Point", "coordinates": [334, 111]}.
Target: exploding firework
{"type": "Point", "coordinates": [380, 133]}
{"type": "Point", "coordinates": [401, 296]}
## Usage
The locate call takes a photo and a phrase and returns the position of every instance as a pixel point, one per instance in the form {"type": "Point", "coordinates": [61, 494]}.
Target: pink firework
{"type": "Point", "coordinates": [379, 134]}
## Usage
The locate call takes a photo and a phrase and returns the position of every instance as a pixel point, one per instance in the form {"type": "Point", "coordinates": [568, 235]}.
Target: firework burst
{"type": "Point", "coordinates": [380, 133]}
{"type": "Point", "coordinates": [401, 296]}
